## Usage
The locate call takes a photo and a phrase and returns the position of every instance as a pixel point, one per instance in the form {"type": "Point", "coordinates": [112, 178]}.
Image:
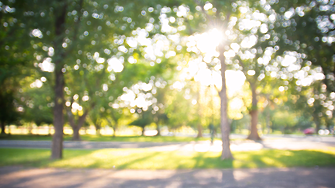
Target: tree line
{"type": "Point", "coordinates": [143, 62]}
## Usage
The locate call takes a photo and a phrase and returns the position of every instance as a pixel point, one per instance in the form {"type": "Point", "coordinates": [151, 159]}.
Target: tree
{"type": "Point", "coordinates": [62, 34]}
{"type": "Point", "coordinates": [33, 19]}
{"type": "Point", "coordinates": [116, 60]}
{"type": "Point", "coordinates": [158, 112]}
{"type": "Point", "coordinates": [198, 17]}
{"type": "Point", "coordinates": [252, 52]}
{"type": "Point", "coordinates": [97, 120]}
{"type": "Point", "coordinates": [219, 15]}
{"type": "Point", "coordinates": [304, 30]}
{"type": "Point", "coordinates": [307, 28]}
{"type": "Point", "coordinates": [144, 119]}
{"type": "Point", "coordinates": [149, 99]}
{"type": "Point", "coordinates": [313, 104]}
{"type": "Point", "coordinates": [8, 113]}
{"type": "Point", "coordinates": [36, 100]}
{"type": "Point", "coordinates": [179, 108]}
{"type": "Point", "coordinates": [114, 118]}
{"type": "Point", "coordinates": [14, 58]}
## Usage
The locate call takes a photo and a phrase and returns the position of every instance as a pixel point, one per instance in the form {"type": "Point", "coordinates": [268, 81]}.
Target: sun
{"type": "Point", "coordinates": [208, 42]}
{"type": "Point", "coordinates": [215, 35]}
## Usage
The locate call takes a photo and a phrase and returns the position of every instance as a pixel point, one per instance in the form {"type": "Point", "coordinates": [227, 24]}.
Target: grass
{"type": "Point", "coordinates": [148, 159]}
{"type": "Point", "coordinates": [106, 138]}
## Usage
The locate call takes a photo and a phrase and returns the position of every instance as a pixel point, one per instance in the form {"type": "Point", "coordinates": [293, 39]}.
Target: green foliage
{"type": "Point", "coordinates": [95, 50]}
{"type": "Point", "coordinates": [179, 110]}
{"type": "Point", "coordinates": [8, 112]}
{"type": "Point", "coordinates": [285, 120]}
{"type": "Point", "coordinates": [307, 32]}
{"type": "Point", "coordinates": [144, 119]}
{"type": "Point", "coordinates": [37, 104]}
{"type": "Point", "coordinates": [15, 56]}
{"type": "Point", "coordinates": [238, 125]}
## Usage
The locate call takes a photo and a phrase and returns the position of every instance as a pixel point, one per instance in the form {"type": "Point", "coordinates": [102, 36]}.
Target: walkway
{"type": "Point", "coordinates": [98, 178]}
{"type": "Point", "coordinates": [269, 142]}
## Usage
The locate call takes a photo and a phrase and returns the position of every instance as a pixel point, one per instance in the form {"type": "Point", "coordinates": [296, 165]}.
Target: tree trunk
{"type": "Point", "coordinates": [113, 127]}
{"type": "Point", "coordinates": [225, 127]}
{"type": "Point", "coordinates": [57, 140]}
{"type": "Point", "coordinates": [97, 126]}
{"type": "Point", "coordinates": [158, 130]}
{"type": "Point", "coordinates": [76, 135]}
{"type": "Point", "coordinates": [254, 114]}
{"type": "Point", "coordinates": [30, 128]}
{"type": "Point", "coordinates": [97, 130]}
{"type": "Point", "coordinates": [199, 127]}
{"type": "Point", "coordinates": [114, 131]}
{"type": "Point", "coordinates": [317, 123]}
{"type": "Point", "coordinates": [3, 127]}
{"type": "Point", "coordinates": [253, 128]}
{"type": "Point", "coordinates": [143, 129]}
{"type": "Point", "coordinates": [76, 126]}
{"type": "Point", "coordinates": [268, 122]}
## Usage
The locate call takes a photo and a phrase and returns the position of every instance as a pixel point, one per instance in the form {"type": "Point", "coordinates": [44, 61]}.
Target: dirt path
{"type": "Point", "coordinates": [242, 178]}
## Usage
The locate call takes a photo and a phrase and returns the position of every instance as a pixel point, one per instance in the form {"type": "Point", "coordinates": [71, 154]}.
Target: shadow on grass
{"type": "Point", "coordinates": [148, 159]}
{"type": "Point", "coordinates": [25, 157]}
{"type": "Point", "coordinates": [145, 158]}
{"type": "Point", "coordinates": [284, 158]}
{"type": "Point", "coordinates": [34, 157]}
{"type": "Point", "coordinates": [203, 161]}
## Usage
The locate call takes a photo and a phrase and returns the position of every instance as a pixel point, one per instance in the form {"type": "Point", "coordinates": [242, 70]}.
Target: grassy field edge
{"type": "Point", "coordinates": [154, 160]}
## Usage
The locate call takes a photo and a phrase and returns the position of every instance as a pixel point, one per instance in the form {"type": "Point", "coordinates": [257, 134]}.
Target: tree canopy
{"type": "Point", "coordinates": [252, 64]}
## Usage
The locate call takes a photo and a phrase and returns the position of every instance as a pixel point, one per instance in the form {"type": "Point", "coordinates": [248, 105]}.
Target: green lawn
{"type": "Point", "coordinates": [107, 138]}
{"type": "Point", "coordinates": [148, 159]}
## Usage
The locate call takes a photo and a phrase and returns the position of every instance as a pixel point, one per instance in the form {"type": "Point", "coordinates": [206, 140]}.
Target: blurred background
{"type": "Point", "coordinates": [125, 68]}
